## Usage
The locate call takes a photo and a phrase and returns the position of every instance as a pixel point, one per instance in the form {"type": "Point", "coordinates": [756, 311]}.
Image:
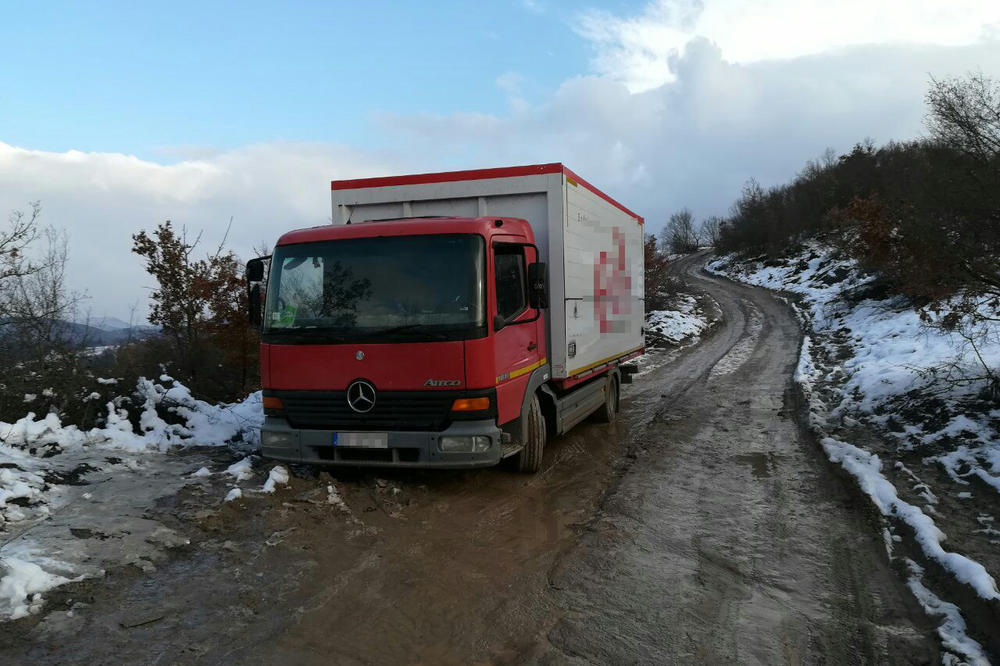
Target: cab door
{"type": "Point", "coordinates": [518, 343]}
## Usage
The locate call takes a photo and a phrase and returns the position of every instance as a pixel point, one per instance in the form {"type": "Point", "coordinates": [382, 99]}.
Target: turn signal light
{"type": "Point", "coordinates": [270, 402]}
{"type": "Point", "coordinates": [470, 405]}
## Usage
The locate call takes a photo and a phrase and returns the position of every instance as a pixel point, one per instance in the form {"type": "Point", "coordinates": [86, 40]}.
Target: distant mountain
{"type": "Point", "coordinates": [91, 335]}
{"type": "Point", "coordinates": [108, 324]}
{"type": "Point", "coordinates": [101, 331]}
{"type": "Point", "coordinates": [107, 333]}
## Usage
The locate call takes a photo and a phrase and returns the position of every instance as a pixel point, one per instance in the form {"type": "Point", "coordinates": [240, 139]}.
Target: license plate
{"type": "Point", "coordinates": [362, 440]}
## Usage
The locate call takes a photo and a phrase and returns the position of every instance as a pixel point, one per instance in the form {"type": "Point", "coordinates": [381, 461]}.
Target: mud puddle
{"type": "Point", "coordinates": [343, 567]}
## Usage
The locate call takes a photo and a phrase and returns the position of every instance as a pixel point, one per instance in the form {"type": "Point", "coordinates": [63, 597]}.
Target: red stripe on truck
{"type": "Point", "coordinates": [477, 174]}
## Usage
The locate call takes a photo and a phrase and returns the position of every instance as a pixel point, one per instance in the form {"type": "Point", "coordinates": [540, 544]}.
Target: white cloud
{"type": "Point", "coordinates": [639, 50]}
{"type": "Point", "coordinates": [696, 141]}
{"type": "Point", "coordinates": [510, 83]}
{"type": "Point", "coordinates": [101, 199]}
{"type": "Point", "coordinates": [534, 6]}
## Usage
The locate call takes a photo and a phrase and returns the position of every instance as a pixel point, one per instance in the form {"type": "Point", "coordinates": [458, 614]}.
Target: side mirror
{"type": "Point", "coordinates": [498, 323]}
{"type": "Point", "coordinates": [255, 274]}
{"type": "Point", "coordinates": [253, 305]}
{"type": "Point", "coordinates": [255, 270]}
{"type": "Point", "coordinates": [538, 291]}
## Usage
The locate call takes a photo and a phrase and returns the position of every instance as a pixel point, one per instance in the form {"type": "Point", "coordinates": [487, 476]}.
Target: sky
{"type": "Point", "coordinates": [119, 115]}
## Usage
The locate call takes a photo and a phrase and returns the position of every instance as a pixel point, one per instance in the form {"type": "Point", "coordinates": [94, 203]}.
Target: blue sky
{"type": "Point", "coordinates": [117, 116]}
{"type": "Point", "coordinates": [143, 77]}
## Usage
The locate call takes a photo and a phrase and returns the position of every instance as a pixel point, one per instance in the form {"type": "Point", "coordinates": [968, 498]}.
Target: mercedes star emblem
{"type": "Point", "coordinates": [360, 356]}
{"type": "Point", "coordinates": [361, 396]}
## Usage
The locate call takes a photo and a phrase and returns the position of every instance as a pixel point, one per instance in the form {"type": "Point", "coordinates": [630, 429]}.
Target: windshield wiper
{"type": "Point", "coordinates": [394, 329]}
{"type": "Point", "coordinates": [302, 333]}
{"type": "Point", "coordinates": [441, 334]}
{"type": "Point", "coordinates": [358, 335]}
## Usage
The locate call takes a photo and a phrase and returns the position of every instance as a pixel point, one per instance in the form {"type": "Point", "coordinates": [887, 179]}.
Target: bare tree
{"type": "Point", "coordinates": [42, 299]}
{"type": "Point", "coordinates": [21, 232]}
{"type": "Point", "coordinates": [40, 347]}
{"type": "Point", "coordinates": [679, 234]}
{"type": "Point", "coordinates": [33, 289]}
{"type": "Point", "coordinates": [710, 229]}
{"type": "Point", "coordinates": [964, 114]}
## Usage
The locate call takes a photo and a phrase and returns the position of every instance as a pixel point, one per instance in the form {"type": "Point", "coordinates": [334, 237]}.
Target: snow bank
{"type": "Point", "coordinates": [805, 369]}
{"type": "Point", "coordinates": [26, 444]}
{"type": "Point", "coordinates": [203, 424]}
{"type": "Point", "coordinates": [866, 468]}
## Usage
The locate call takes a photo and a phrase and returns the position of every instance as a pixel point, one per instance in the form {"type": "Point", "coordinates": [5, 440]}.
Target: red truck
{"type": "Point", "coordinates": [448, 319]}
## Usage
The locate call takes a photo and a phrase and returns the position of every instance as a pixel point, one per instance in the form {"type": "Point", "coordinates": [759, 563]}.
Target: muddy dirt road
{"type": "Point", "coordinates": [703, 527]}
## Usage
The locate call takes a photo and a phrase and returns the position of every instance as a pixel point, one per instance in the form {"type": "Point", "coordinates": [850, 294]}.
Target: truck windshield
{"type": "Point", "coordinates": [384, 288]}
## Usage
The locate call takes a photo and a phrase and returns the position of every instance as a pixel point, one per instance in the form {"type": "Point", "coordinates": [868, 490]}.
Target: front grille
{"type": "Point", "coordinates": [393, 410]}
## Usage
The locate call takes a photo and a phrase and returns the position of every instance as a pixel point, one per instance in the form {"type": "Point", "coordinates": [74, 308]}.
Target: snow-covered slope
{"type": "Point", "coordinates": [891, 360]}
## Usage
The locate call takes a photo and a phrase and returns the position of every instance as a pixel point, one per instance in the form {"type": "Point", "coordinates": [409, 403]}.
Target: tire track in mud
{"type": "Point", "coordinates": [729, 539]}
{"type": "Point", "coordinates": [740, 352]}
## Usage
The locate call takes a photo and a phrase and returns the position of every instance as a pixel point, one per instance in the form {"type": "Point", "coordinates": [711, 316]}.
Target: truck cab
{"type": "Point", "coordinates": [401, 341]}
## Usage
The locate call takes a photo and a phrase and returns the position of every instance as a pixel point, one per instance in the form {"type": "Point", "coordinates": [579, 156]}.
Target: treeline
{"type": "Point", "coordinates": [198, 305]}
{"type": "Point", "coordinates": [924, 215]}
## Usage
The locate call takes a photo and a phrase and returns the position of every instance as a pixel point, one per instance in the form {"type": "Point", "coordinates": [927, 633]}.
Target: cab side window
{"type": "Point", "coordinates": [512, 295]}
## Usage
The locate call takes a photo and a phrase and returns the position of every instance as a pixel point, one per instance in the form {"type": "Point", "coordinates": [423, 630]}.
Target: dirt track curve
{"type": "Point", "coordinates": [704, 527]}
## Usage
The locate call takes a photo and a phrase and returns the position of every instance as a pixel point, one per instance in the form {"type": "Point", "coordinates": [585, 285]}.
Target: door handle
{"type": "Point", "coordinates": [531, 346]}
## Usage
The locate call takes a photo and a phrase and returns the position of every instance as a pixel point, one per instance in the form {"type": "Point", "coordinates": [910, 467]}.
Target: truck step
{"type": "Point", "coordinates": [510, 449]}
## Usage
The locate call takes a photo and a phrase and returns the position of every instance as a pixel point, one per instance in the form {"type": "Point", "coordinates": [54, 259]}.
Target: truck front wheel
{"type": "Point", "coordinates": [530, 458]}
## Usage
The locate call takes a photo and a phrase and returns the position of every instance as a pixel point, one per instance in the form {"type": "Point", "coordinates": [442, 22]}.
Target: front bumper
{"type": "Point", "coordinates": [280, 441]}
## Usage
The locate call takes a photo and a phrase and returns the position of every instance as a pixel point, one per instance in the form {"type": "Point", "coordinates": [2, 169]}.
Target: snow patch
{"type": "Point", "coordinates": [683, 321]}
{"type": "Point", "coordinates": [278, 475]}
{"type": "Point", "coordinates": [242, 470]}
{"type": "Point", "coordinates": [952, 628]}
{"type": "Point", "coordinates": [24, 580]}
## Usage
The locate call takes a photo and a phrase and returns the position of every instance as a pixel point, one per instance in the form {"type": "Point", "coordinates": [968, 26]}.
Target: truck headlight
{"type": "Point", "coordinates": [277, 440]}
{"type": "Point", "coordinates": [468, 444]}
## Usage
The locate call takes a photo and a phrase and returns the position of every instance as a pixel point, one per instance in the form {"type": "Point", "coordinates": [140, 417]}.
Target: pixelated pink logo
{"type": "Point", "coordinates": [613, 286]}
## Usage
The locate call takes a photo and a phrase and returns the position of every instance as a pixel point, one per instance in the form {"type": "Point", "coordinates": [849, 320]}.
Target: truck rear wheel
{"type": "Point", "coordinates": [530, 458]}
{"type": "Point", "coordinates": [609, 410]}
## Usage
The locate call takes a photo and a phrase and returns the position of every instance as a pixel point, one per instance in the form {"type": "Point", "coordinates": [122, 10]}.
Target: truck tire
{"type": "Point", "coordinates": [609, 410]}
{"type": "Point", "coordinates": [529, 460]}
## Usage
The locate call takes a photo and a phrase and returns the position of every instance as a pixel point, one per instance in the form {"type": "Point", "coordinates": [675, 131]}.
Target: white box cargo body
{"type": "Point", "coordinates": [592, 244]}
